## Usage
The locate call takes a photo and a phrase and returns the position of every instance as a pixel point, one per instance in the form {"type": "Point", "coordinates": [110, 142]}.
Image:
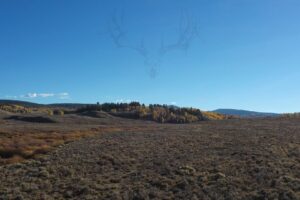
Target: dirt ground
{"type": "Point", "coordinates": [229, 159]}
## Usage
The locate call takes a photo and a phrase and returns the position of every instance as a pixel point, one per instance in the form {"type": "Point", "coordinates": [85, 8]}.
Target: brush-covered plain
{"type": "Point", "coordinates": [105, 157]}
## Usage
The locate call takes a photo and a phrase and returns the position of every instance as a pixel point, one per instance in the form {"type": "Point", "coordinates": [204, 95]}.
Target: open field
{"type": "Point", "coordinates": [26, 136]}
{"type": "Point", "coordinates": [105, 157]}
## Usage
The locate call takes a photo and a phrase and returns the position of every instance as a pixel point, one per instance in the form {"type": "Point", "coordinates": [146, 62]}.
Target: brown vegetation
{"type": "Point", "coordinates": [216, 116]}
{"type": "Point", "coordinates": [135, 159]}
{"type": "Point", "coordinates": [26, 136]}
{"type": "Point", "coordinates": [14, 108]}
{"type": "Point", "coordinates": [91, 154]}
{"type": "Point", "coordinates": [18, 146]}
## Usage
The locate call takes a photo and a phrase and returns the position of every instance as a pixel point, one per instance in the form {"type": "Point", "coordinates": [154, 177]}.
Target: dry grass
{"type": "Point", "coordinates": [18, 147]}
{"type": "Point", "coordinates": [26, 136]}
{"type": "Point", "coordinates": [214, 116]}
{"type": "Point", "coordinates": [14, 109]}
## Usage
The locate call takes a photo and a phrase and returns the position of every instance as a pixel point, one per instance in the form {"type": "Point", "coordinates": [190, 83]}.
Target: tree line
{"type": "Point", "coordinates": [156, 112]}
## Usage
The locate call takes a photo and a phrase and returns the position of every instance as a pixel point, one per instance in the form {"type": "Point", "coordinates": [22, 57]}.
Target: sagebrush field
{"type": "Point", "coordinates": [101, 156]}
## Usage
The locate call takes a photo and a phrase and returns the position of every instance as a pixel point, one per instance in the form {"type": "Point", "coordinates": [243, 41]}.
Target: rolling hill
{"type": "Point", "coordinates": [245, 113]}
{"type": "Point", "coordinates": [20, 103]}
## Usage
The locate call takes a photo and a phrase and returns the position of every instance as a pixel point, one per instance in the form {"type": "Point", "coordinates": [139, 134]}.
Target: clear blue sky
{"type": "Point", "coordinates": [246, 55]}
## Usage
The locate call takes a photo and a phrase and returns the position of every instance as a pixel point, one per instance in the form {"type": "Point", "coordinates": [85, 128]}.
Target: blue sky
{"type": "Point", "coordinates": [245, 56]}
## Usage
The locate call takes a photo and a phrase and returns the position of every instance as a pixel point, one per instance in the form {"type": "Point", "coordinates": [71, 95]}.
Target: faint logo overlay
{"type": "Point", "coordinates": [188, 31]}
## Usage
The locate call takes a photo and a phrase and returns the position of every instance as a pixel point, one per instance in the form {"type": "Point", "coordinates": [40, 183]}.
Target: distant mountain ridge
{"type": "Point", "coordinates": [37, 105]}
{"type": "Point", "coordinates": [245, 113]}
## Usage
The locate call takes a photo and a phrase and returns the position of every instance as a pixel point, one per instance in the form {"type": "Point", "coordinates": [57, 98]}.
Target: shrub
{"type": "Point", "coordinates": [50, 112]}
{"type": "Point", "coordinates": [142, 112]}
{"type": "Point", "coordinates": [113, 110]}
{"type": "Point", "coordinates": [59, 112]}
{"type": "Point", "coordinates": [14, 108]}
